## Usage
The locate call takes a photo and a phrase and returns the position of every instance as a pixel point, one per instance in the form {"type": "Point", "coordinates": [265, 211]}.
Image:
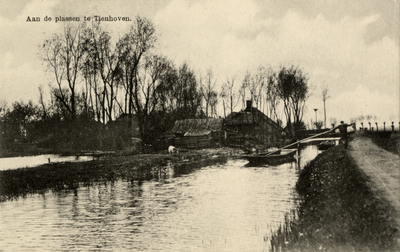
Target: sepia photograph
{"type": "Point", "coordinates": [200, 125]}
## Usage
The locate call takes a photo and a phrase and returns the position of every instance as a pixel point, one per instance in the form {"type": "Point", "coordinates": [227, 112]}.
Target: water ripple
{"type": "Point", "coordinates": [227, 207]}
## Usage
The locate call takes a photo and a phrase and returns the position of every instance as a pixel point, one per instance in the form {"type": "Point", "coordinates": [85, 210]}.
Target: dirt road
{"type": "Point", "coordinates": [382, 167]}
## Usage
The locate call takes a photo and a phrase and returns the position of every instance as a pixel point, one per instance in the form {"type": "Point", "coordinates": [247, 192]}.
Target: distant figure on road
{"type": "Point", "coordinates": [344, 138]}
{"type": "Point", "coordinates": [172, 149]}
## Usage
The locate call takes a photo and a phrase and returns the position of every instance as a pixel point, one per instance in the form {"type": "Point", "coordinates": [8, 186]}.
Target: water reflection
{"type": "Point", "coordinates": [32, 161]}
{"type": "Point", "coordinates": [226, 207]}
{"type": "Point", "coordinates": [305, 154]}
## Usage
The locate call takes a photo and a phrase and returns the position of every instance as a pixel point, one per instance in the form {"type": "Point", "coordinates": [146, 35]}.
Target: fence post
{"type": "Point", "coordinates": [376, 126]}
{"type": "Point", "coordinates": [384, 127]}
{"type": "Point", "coordinates": [369, 126]}
{"type": "Point", "coordinates": [392, 126]}
{"type": "Point", "coordinates": [362, 125]}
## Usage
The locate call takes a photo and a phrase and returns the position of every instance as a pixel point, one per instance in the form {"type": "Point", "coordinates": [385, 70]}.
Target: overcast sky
{"type": "Point", "coordinates": [349, 46]}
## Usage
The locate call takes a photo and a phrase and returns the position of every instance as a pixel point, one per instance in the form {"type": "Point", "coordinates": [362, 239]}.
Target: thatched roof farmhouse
{"type": "Point", "coordinates": [251, 126]}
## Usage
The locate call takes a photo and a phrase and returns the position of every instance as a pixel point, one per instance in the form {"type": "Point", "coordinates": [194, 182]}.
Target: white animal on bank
{"type": "Point", "coordinates": [172, 149]}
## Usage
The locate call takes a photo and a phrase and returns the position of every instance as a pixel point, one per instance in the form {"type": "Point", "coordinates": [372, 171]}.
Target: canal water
{"type": "Point", "coordinates": [32, 161]}
{"type": "Point", "coordinates": [226, 207]}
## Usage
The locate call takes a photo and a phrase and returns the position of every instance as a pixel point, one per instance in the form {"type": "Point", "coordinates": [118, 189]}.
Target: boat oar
{"type": "Point", "coordinates": [299, 141]}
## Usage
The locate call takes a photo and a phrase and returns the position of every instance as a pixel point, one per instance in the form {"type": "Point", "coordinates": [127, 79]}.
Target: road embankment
{"type": "Point", "coordinates": [338, 210]}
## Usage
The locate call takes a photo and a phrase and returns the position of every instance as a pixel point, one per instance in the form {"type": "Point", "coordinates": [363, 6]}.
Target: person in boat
{"type": "Point", "coordinates": [344, 137]}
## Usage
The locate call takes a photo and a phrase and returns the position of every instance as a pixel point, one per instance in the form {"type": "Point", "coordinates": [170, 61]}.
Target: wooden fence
{"type": "Point", "coordinates": [375, 126]}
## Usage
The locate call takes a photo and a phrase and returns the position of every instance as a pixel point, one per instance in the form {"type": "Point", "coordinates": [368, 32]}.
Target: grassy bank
{"type": "Point", "coordinates": [337, 211]}
{"type": "Point", "coordinates": [387, 140]}
{"type": "Point", "coordinates": [70, 176]}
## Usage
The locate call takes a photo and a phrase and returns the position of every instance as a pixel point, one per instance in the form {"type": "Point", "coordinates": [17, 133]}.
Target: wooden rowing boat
{"type": "Point", "coordinates": [326, 145]}
{"type": "Point", "coordinates": [286, 155]}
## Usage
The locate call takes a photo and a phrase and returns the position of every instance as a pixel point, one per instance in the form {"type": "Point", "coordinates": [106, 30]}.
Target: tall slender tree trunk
{"type": "Point", "coordinates": [324, 115]}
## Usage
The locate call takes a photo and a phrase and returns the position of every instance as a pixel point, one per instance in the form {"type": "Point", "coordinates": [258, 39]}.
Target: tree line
{"type": "Point", "coordinates": [97, 78]}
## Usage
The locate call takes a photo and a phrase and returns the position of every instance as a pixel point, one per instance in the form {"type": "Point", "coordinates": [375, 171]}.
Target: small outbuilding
{"type": "Point", "coordinates": [198, 133]}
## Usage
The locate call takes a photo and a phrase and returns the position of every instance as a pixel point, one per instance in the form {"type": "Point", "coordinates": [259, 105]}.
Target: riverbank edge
{"type": "Point", "coordinates": [337, 210]}
{"type": "Point", "coordinates": [69, 176]}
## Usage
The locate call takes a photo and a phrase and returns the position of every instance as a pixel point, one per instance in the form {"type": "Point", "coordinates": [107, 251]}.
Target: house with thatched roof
{"type": "Point", "coordinates": [198, 133]}
{"type": "Point", "coordinates": [250, 126]}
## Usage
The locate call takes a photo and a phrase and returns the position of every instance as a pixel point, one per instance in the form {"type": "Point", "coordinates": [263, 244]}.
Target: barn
{"type": "Point", "coordinates": [198, 133]}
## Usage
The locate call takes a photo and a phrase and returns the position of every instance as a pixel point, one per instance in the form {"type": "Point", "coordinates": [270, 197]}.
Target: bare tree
{"type": "Point", "coordinates": [150, 77]}
{"type": "Point", "coordinates": [102, 69]}
{"type": "Point", "coordinates": [292, 88]}
{"type": "Point", "coordinates": [42, 102]}
{"type": "Point", "coordinates": [259, 85]}
{"type": "Point", "coordinates": [209, 94]}
{"type": "Point", "coordinates": [272, 97]}
{"type": "Point", "coordinates": [324, 98]}
{"type": "Point", "coordinates": [166, 94]}
{"type": "Point", "coordinates": [132, 47]}
{"type": "Point", "coordinates": [229, 95]}
{"type": "Point", "coordinates": [254, 84]}
{"type": "Point", "coordinates": [63, 54]}
{"type": "Point", "coordinates": [185, 93]}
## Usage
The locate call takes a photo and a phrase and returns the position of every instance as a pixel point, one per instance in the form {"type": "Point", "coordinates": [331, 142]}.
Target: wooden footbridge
{"type": "Point", "coordinates": [320, 139]}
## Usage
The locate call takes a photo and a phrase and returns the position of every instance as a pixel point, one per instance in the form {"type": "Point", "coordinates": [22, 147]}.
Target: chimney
{"type": "Point", "coordinates": [249, 105]}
